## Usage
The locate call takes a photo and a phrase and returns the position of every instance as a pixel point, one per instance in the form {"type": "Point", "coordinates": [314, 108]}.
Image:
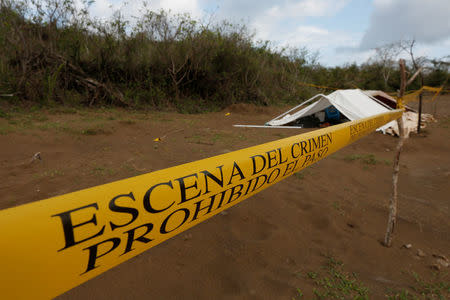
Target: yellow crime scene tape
{"type": "Point", "coordinates": [411, 96]}
{"type": "Point", "coordinates": [51, 246]}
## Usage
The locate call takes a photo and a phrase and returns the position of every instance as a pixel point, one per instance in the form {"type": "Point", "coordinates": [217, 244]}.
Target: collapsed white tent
{"type": "Point", "coordinates": [353, 104]}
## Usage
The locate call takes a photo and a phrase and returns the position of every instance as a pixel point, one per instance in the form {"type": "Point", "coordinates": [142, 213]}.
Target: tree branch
{"type": "Point", "coordinates": [414, 76]}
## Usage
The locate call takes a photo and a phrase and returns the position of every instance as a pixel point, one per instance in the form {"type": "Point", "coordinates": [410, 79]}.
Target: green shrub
{"type": "Point", "coordinates": [162, 60]}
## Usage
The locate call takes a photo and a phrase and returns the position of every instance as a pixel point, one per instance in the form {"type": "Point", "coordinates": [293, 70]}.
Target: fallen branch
{"type": "Point", "coordinates": [91, 84]}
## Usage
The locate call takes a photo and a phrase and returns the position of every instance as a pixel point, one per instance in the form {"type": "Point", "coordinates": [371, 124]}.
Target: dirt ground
{"type": "Point", "coordinates": [275, 245]}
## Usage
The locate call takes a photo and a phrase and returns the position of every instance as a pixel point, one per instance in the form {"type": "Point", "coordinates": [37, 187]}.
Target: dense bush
{"type": "Point", "coordinates": [52, 51]}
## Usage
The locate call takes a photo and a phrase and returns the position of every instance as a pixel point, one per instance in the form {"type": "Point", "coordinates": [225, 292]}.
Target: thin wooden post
{"type": "Point", "coordinates": [392, 219]}
{"type": "Point", "coordinates": [420, 105]}
{"type": "Point", "coordinates": [420, 113]}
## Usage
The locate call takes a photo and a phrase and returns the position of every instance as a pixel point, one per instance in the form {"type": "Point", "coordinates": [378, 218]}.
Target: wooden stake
{"type": "Point", "coordinates": [420, 104]}
{"type": "Point", "coordinates": [420, 112]}
{"type": "Point", "coordinates": [392, 219]}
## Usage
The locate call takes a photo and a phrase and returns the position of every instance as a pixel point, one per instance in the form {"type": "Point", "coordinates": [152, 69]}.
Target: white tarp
{"type": "Point", "coordinates": [354, 104]}
{"type": "Point", "coordinates": [410, 120]}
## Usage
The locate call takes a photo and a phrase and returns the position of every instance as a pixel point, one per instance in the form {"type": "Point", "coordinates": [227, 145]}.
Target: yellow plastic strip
{"type": "Point", "coordinates": [413, 95]}
{"type": "Point", "coordinates": [439, 90]}
{"type": "Point", "coordinates": [416, 93]}
{"type": "Point", "coordinates": [50, 246]}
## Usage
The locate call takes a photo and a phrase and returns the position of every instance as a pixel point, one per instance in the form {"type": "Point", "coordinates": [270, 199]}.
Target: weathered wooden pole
{"type": "Point", "coordinates": [392, 219]}
{"type": "Point", "coordinates": [420, 105]}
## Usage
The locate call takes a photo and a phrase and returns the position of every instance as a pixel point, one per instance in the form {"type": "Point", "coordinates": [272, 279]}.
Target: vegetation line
{"type": "Point", "coordinates": [54, 52]}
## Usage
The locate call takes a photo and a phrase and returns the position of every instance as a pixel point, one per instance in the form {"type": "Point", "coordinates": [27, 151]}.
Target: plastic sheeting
{"type": "Point", "coordinates": [354, 104]}
{"type": "Point", "coordinates": [410, 120]}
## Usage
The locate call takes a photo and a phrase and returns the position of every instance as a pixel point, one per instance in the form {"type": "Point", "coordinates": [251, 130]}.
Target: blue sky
{"type": "Point", "coordinates": [342, 31]}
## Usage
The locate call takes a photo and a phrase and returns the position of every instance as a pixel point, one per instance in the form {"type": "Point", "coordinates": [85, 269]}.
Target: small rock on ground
{"type": "Point", "coordinates": [442, 262]}
{"type": "Point", "coordinates": [420, 253]}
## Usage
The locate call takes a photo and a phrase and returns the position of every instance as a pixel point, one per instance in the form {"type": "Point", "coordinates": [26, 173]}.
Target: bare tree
{"type": "Point", "coordinates": [418, 64]}
{"type": "Point", "coordinates": [408, 46]}
{"type": "Point", "coordinates": [386, 56]}
{"type": "Point", "coordinates": [172, 36]}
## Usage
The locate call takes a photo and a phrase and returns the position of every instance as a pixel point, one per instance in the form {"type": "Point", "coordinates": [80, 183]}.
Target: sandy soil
{"type": "Point", "coordinates": [264, 247]}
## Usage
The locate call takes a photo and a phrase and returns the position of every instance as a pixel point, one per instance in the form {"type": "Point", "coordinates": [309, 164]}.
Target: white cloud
{"type": "Point", "coordinates": [306, 8]}
{"type": "Point", "coordinates": [103, 9]}
{"type": "Point", "coordinates": [286, 24]}
{"type": "Point", "coordinates": [310, 35]}
{"type": "Point", "coordinates": [332, 45]}
{"type": "Point", "coordinates": [270, 21]}
{"type": "Point", "coordinates": [394, 20]}
{"type": "Point", "coordinates": [252, 9]}
{"type": "Point", "coordinates": [181, 6]}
